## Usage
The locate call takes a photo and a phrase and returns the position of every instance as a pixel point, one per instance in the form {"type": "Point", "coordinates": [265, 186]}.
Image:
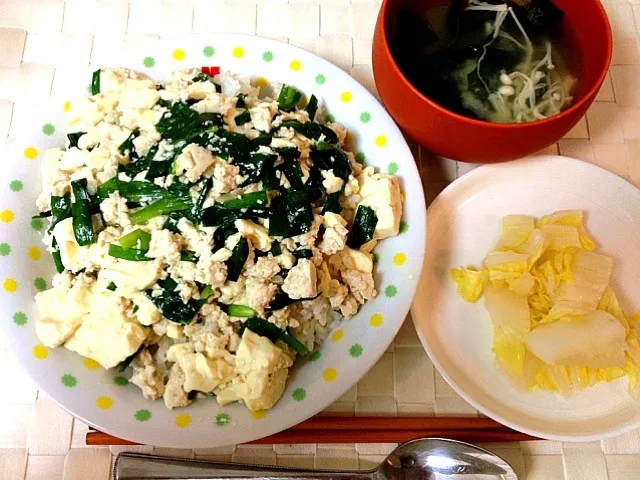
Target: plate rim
{"type": "Point", "coordinates": [418, 311]}
{"type": "Point", "coordinates": [419, 224]}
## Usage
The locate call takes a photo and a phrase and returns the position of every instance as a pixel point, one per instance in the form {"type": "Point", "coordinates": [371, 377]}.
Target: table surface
{"type": "Point", "coordinates": [40, 441]}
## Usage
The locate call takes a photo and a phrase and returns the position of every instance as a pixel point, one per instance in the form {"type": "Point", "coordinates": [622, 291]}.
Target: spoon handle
{"type": "Point", "coordinates": [131, 466]}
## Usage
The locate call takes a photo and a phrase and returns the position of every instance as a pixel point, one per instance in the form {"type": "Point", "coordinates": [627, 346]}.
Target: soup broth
{"type": "Point", "coordinates": [493, 61]}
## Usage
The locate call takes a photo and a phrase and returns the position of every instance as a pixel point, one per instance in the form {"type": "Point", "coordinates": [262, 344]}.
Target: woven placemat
{"type": "Point", "coordinates": [40, 39]}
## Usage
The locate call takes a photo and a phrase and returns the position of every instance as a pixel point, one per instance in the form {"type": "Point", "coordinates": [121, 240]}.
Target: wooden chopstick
{"type": "Point", "coordinates": [398, 423]}
{"type": "Point", "coordinates": [372, 430]}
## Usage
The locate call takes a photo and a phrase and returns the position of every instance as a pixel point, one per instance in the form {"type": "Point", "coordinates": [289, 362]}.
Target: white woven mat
{"type": "Point", "coordinates": [40, 441]}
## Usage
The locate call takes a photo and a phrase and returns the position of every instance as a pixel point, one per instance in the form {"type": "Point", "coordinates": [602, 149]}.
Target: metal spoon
{"type": "Point", "coordinates": [420, 459]}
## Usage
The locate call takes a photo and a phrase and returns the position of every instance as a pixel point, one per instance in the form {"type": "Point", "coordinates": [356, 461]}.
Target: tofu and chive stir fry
{"type": "Point", "coordinates": [205, 235]}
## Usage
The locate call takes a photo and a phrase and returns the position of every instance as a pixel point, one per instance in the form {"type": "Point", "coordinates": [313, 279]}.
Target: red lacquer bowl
{"type": "Point", "coordinates": [587, 31]}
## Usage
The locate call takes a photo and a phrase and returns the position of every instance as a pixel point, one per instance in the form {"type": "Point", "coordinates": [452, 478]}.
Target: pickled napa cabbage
{"type": "Point", "coordinates": [558, 324]}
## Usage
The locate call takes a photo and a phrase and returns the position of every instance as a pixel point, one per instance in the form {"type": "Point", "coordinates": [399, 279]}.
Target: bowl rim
{"type": "Point", "coordinates": [583, 101]}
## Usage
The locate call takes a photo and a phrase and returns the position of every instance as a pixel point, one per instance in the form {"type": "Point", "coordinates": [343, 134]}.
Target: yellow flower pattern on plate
{"type": "Point", "coordinates": [10, 285]}
{"type": "Point", "coordinates": [7, 216]}
{"type": "Point", "coordinates": [337, 335]}
{"type": "Point", "coordinates": [90, 364]}
{"type": "Point", "coordinates": [375, 320]}
{"type": "Point", "coordinates": [183, 421]}
{"type": "Point", "coordinates": [178, 54]}
{"type": "Point", "coordinates": [330, 374]}
{"type": "Point", "coordinates": [34, 253]}
{"type": "Point", "coordinates": [295, 65]}
{"type": "Point", "coordinates": [381, 141]}
{"type": "Point", "coordinates": [31, 153]}
{"type": "Point", "coordinates": [104, 403]}
{"type": "Point", "coordinates": [237, 52]}
{"type": "Point", "coordinates": [40, 352]}
{"type": "Point", "coordinates": [399, 259]}
{"type": "Point", "coordinates": [346, 97]}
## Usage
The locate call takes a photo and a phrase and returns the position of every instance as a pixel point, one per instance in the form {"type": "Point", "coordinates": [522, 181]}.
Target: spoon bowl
{"type": "Point", "coordinates": [420, 459]}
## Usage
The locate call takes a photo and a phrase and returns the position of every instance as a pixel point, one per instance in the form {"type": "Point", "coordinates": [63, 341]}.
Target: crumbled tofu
{"type": "Point", "coordinates": [349, 306]}
{"type": "Point", "coordinates": [258, 235]}
{"type": "Point", "coordinates": [212, 335]}
{"type": "Point", "coordinates": [335, 234]}
{"type": "Point", "coordinates": [146, 313]}
{"type": "Point", "coordinates": [148, 376]}
{"type": "Point", "coordinates": [360, 285]}
{"type": "Point", "coordinates": [200, 373]}
{"type": "Point", "coordinates": [115, 211]}
{"type": "Point", "coordinates": [174, 393]}
{"type": "Point", "coordinates": [265, 267]}
{"type": "Point", "coordinates": [331, 183]}
{"type": "Point", "coordinates": [301, 280]}
{"type": "Point", "coordinates": [71, 253]}
{"type": "Point", "coordinates": [262, 114]}
{"type": "Point", "coordinates": [262, 369]}
{"type": "Point", "coordinates": [381, 192]}
{"type": "Point", "coordinates": [340, 131]}
{"type": "Point", "coordinates": [193, 161]}
{"type": "Point", "coordinates": [307, 240]}
{"type": "Point", "coordinates": [259, 293]}
{"type": "Point", "coordinates": [129, 275]}
{"type": "Point", "coordinates": [107, 335]}
{"type": "Point", "coordinates": [165, 245]}
{"type": "Point", "coordinates": [286, 259]}
{"type": "Point", "coordinates": [349, 259]}
{"type": "Point", "coordinates": [225, 177]}
{"type": "Point", "coordinates": [61, 313]}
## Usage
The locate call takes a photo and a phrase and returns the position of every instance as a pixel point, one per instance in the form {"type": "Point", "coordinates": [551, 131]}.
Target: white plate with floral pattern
{"type": "Point", "coordinates": [104, 399]}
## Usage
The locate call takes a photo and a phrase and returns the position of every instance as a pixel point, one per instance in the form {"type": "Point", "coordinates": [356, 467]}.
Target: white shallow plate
{"type": "Point", "coordinates": [102, 398]}
{"type": "Point", "coordinates": [464, 223]}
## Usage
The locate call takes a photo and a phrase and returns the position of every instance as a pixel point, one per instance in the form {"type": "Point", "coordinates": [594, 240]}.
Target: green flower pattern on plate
{"type": "Point", "coordinates": [149, 62]}
{"type": "Point", "coordinates": [36, 224]}
{"type": "Point", "coordinates": [299, 394]}
{"type": "Point", "coordinates": [48, 129]}
{"type": "Point", "coordinates": [356, 350]}
{"type": "Point", "coordinates": [40, 284]}
{"type": "Point", "coordinates": [267, 56]}
{"type": "Point", "coordinates": [320, 79]}
{"type": "Point", "coordinates": [15, 185]}
{"type": "Point", "coordinates": [208, 51]}
{"type": "Point", "coordinates": [392, 169]}
{"type": "Point", "coordinates": [68, 380]}
{"type": "Point", "coordinates": [365, 117]}
{"type": "Point", "coordinates": [142, 415]}
{"type": "Point", "coordinates": [20, 319]}
{"type": "Point", "coordinates": [222, 420]}
{"type": "Point", "coordinates": [390, 291]}
{"type": "Point", "coordinates": [5, 249]}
